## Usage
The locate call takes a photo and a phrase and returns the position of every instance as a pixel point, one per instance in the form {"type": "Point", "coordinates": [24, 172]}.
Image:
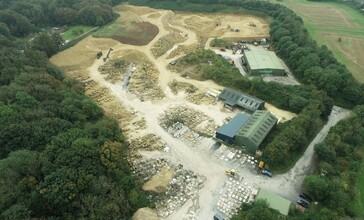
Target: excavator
{"type": "Point", "coordinates": [108, 53]}
{"type": "Point", "coordinates": [232, 173]}
{"type": "Point", "coordinates": [252, 24]}
{"type": "Point", "coordinates": [98, 55]}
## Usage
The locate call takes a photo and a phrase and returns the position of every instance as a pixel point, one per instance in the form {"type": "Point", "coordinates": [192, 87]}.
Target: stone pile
{"type": "Point", "coordinates": [178, 130]}
{"type": "Point", "coordinates": [232, 196]}
{"type": "Point", "coordinates": [166, 43]}
{"type": "Point", "coordinates": [114, 70]}
{"type": "Point", "coordinates": [187, 116]}
{"type": "Point", "coordinates": [144, 170]}
{"type": "Point", "coordinates": [144, 82]}
{"type": "Point", "coordinates": [199, 98]}
{"type": "Point", "coordinates": [149, 142]}
{"type": "Point", "coordinates": [184, 185]}
{"type": "Point", "coordinates": [235, 156]}
{"type": "Point", "coordinates": [182, 86]}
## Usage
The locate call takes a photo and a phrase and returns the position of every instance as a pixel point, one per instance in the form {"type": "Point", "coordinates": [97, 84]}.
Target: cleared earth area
{"type": "Point", "coordinates": [167, 119]}
{"type": "Point", "coordinates": [335, 21]}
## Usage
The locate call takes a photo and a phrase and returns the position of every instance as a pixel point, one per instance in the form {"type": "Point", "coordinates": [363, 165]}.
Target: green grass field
{"type": "Point", "coordinates": [74, 31]}
{"type": "Point", "coordinates": [359, 203]}
{"type": "Point", "coordinates": [327, 22]}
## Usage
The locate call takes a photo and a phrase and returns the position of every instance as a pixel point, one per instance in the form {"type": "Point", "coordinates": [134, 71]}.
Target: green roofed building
{"type": "Point", "coordinates": [234, 98]}
{"type": "Point", "coordinates": [263, 62]}
{"type": "Point", "coordinates": [255, 130]}
{"type": "Point", "coordinates": [227, 131]}
{"type": "Point", "coordinates": [274, 201]}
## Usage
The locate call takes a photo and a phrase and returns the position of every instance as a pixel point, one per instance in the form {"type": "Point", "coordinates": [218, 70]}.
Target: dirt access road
{"type": "Point", "coordinates": [79, 62]}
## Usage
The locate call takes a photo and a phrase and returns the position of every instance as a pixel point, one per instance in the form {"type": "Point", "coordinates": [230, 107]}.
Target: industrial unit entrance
{"type": "Point", "coordinates": [263, 62]}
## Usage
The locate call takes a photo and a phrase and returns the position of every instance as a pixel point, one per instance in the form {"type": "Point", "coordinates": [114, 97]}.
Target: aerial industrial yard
{"type": "Point", "coordinates": [181, 130]}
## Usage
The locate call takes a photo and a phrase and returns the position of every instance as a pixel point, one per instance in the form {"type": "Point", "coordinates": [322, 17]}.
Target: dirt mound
{"type": "Point", "coordinates": [166, 43]}
{"type": "Point", "coordinates": [149, 142]}
{"type": "Point", "coordinates": [182, 86]}
{"type": "Point", "coordinates": [140, 34]}
{"type": "Point", "coordinates": [114, 70]}
{"type": "Point", "coordinates": [144, 81]}
{"type": "Point", "coordinates": [160, 181]}
{"type": "Point", "coordinates": [145, 213]}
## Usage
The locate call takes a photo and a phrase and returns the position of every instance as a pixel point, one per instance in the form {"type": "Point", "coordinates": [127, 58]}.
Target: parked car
{"type": "Point", "coordinates": [305, 196]}
{"type": "Point", "coordinates": [266, 172]}
{"type": "Point", "coordinates": [302, 203]}
{"type": "Point", "coordinates": [218, 216]}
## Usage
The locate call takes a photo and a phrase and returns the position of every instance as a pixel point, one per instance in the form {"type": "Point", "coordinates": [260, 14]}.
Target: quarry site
{"type": "Point", "coordinates": [170, 120]}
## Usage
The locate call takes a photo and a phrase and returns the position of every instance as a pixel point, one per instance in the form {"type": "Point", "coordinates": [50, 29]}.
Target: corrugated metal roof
{"type": "Point", "coordinates": [231, 128]}
{"type": "Point", "coordinates": [258, 126]}
{"type": "Point", "coordinates": [232, 98]}
{"type": "Point", "coordinates": [274, 201]}
{"type": "Point", "coordinates": [263, 59]}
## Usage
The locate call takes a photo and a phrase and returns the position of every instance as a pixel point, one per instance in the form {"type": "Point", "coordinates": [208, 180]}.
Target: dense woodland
{"type": "Point", "coordinates": [60, 157]}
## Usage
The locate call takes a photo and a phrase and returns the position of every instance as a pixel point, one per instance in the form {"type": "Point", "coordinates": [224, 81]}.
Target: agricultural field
{"type": "Point", "coordinates": [74, 31]}
{"type": "Point", "coordinates": [329, 22]}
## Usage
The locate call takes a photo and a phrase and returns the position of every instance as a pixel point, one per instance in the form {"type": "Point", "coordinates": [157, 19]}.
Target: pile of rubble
{"type": "Point", "coordinates": [207, 127]}
{"type": "Point", "coordinates": [166, 43]}
{"type": "Point", "coordinates": [144, 82]}
{"type": "Point", "coordinates": [178, 130]}
{"type": "Point", "coordinates": [178, 86]}
{"type": "Point", "coordinates": [200, 98]}
{"type": "Point", "coordinates": [114, 70]}
{"type": "Point", "coordinates": [236, 157]}
{"type": "Point", "coordinates": [231, 197]}
{"type": "Point", "coordinates": [144, 170]}
{"type": "Point", "coordinates": [183, 185]}
{"type": "Point", "coordinates": [149, 142]}
{"type": "Point", "coordinates": [187, 116]}
{"type": "Point", "coordinates": [182, 49]}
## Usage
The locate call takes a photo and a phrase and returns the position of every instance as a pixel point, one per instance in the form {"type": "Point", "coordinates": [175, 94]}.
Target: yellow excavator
{"type": "Point", "coordinates": [232, 173]}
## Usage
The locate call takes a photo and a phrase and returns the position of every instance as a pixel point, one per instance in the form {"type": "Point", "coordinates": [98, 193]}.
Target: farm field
{"type": "Point", "coordinates": [74, 31]}
{"type": "Point", "coordinates": [327, 22]}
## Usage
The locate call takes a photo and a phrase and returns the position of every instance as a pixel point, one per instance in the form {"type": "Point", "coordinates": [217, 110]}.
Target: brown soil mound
{"type": "Point", "coordinates": [141, 34]}
{"type": "Point", "coordinates": [145, 213]}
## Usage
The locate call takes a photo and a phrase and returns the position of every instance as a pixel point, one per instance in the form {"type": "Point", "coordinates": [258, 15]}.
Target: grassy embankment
{"type": "Point", "coordinates": [327, 22]}
{"type": "Point", "coordinates": [74, 31]}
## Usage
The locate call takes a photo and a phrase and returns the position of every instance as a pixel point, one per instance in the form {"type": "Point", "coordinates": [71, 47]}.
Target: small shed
{"type": "Point", "coordinates": [227, 131]}
{"type": "Point", "coordinates": [274, 201]}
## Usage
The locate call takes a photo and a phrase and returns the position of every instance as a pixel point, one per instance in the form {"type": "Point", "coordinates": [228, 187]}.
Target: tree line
{"type": "Point", "coordinates": [20, 18]}
{"type": "Point", "coordinates": [60, 157]}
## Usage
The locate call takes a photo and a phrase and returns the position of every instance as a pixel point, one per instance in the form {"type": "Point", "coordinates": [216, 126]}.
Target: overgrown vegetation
{"type": "Point", "coordinates": [60, 157]}
{"type": "Point", "coordinates": [216, 42]}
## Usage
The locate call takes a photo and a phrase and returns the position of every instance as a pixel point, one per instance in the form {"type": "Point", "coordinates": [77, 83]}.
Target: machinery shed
{"type": "Point", "coordinates": [274, 201]}
{"type": "Point", "coordinates": [227, 131]}
{"type": "Point", "coordinates": [255, 130]}
{"type": "Point", "coordinates": [234, 98]}
{"type": "Point", "coordinates": [263, 62]}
